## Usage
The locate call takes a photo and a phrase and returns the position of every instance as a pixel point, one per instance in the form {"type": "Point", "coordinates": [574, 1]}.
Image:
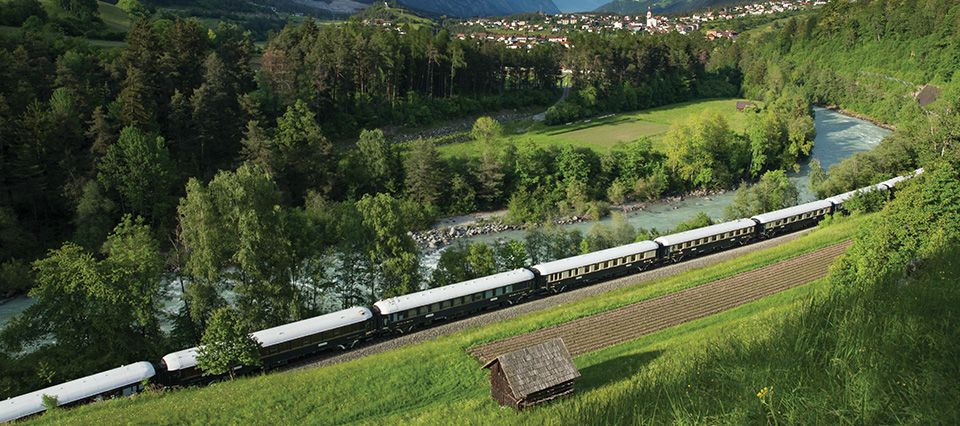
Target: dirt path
{"type": "Point", "coordinates": [540, 304]}
{"type": "Point", "coordinates": [630, 322]}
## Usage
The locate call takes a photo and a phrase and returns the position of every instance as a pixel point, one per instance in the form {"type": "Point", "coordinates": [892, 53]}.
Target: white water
{"type": "Point", "coordinates": [838, 137]}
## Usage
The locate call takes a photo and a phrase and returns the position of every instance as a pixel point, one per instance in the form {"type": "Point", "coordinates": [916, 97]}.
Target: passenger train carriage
{"type": "Point", "coordinates": [405, 313]}
{"type": "Point", "coordinates": [344, 329]}
{"type": "Point", "coordinates": [596, 266]}
{"type": "Point", "coordinates": [122, 381]}
{"type": "Point", "coordinates": [279, 345]}
{"type": "Point", "coordinates": [701, 241]}
{"type": "Point", "coordinates": [792, 218]}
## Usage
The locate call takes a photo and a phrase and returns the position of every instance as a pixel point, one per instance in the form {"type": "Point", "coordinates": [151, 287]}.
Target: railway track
{"type": "Point", "coordinates": [630, 322]}
{"type": "Point", "coordinates": [375, 347]}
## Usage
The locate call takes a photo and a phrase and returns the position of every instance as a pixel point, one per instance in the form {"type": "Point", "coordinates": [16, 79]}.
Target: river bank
{"type": "Point", "coordinates": [859, 116]}
{"type": "Point", "coordinates": [448, 230]}
{"type": "Point", "coordinates": [839, 136]}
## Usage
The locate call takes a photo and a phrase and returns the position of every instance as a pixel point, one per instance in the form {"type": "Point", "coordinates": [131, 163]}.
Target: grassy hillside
{"type": "Point", "coordinates": [604, 133]}
{"type": "Point", "coordinates": [633, 7]}
{"type": "Point", "coordinates": [115, 18]}
{"type": "Point", "coordinates": [437, 382]}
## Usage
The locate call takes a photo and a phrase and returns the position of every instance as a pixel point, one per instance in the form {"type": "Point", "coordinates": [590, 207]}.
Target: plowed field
{"type": "Point", "coordinates": [629, 322]}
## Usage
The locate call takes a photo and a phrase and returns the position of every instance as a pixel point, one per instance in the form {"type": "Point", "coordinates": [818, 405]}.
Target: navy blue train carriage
{"type": "Point", "coordinates": [406, 313]}
{"type": "Point", "coordinates": [346, 328]}
{"type": "Point", "coordinates": [602, 265]}
{"type": "Point", "coordinates": [280, 345]}
{"type": "Point", "coordinates": [122, 381]}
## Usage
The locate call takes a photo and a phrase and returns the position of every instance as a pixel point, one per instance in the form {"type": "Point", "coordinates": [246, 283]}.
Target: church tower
{"type": "Point", "coordinates": [651, 21]}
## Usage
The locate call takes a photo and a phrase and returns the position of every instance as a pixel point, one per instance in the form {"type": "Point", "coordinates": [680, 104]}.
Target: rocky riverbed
{"type": "Point", "coordinates": [440, 237]}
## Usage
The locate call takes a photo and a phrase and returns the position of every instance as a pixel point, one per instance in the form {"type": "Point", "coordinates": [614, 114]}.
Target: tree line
{"type": "Point", "coordinates": [188, 160]}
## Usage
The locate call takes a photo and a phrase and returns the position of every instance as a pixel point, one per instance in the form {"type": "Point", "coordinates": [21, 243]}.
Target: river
{"type": "Point", "coordinates": [838, 137]}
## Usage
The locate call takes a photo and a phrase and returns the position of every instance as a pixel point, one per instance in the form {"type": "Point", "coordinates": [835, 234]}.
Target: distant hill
{"type": "Point", "coordinates": [579, 5]}
{"type": "Point", "coordinates": [461, 8]}
{"type": "Point", "coordinates": [633, 7]}
{"type": "Point", "coordinates": [343, 8]}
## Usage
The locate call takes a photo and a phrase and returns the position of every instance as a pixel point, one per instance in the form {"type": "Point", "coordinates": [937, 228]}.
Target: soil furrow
{"type": "Point", "coordinates": [629, 322]}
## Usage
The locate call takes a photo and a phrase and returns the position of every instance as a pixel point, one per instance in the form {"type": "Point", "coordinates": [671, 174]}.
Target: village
{"type": "Point", "coordinates": [527, 31]}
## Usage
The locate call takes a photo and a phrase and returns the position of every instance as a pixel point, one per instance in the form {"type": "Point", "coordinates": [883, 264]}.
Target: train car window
{"type": "Point", "coordinates": [509, 288]}
{"type": "Point", "coordinates": [498, 292]}
{"type": "Point", "coordinates": [488, 294]}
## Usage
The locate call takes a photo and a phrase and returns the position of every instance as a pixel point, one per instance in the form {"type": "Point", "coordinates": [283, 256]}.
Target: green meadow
{"type": "Point", "coordinates": [602, 134]}
{"type": "Point", "coordinates": [437, 382]}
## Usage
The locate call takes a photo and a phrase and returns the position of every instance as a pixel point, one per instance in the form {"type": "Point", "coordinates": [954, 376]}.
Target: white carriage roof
{"type": "Point", "coordinates": [274, 336]}
{"type": "Point", "coordinates": [452, 291]}
{"type": "Point", "coordinates": [76, 390]}
{"type": "Point", "coordinates": [708, 231]}
{"type": "Point", "coordinates": [296, 330]}
{"type": "Point", "coordinates": [595, 257]}
{"type": "Point", "coordinates": [180, 360]}
{"type": "Point", "coordinates": [893, 182]}
{"type": "Point", "coordinates": [793, 211]}
{"type": "Point", "coordinates": [840, 199]}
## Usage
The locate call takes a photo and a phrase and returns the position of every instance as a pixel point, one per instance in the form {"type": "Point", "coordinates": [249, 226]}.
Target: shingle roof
{"type": "Point", "coordinates": [536, 368]}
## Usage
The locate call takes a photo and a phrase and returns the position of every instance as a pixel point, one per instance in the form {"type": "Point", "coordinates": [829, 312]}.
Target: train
{"type": "Point", "coordinates": [345, 329]}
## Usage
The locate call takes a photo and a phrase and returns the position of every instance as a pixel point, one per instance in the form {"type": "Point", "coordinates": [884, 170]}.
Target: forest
{"type": "Point", "coordinates": [257, 178]}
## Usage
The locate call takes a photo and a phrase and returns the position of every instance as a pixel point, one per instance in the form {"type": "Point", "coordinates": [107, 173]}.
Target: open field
{"type": "Point", "coordinates": [438, 381]}
{"type": "Point", "coordinates": [114, 17]}
{"type": "Point", "coordinates": [604, 133]}
{"type": "Point", "coordinates": [630, 322]}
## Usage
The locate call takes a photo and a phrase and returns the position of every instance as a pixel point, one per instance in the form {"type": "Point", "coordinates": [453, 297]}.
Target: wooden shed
{"type": "Point", "coordinates": [532, 375]}
{"type": "Point", "coordinates": [927, 95]}
{"type": "Point", "coordinates": [744, 105]}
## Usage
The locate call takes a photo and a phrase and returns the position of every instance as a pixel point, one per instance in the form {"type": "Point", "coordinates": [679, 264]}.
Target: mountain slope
{"type": "Point", "coordinates": [579, 5]}
{"type": "Point", "coordinates": [327, 8]}
{"type": "Point", "coordinates": [459, 8]}
{"type": "Point", "coordinates": [632, 7]}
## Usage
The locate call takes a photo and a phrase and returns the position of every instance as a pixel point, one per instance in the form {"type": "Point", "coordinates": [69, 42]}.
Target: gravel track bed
{"type": "Point", "coordinates": [630, 322]}
{"type": "Point", "coordinates": [535, 305]}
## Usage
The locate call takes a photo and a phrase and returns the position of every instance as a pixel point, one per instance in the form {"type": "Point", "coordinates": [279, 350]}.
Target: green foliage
{"type": "Point", "coordinates": [138, 168]}
{"type": "Point", "coordinates": [15, 277]}
{"type": "Point", "coordinates": [225, 345]}
{"type": "Point", "coordinates": [868, 202]}
{"type": "Point", "coordinates": [603, 236]}
{"type": "Point", "coordinates": [99, 311]}
{"type": "Point", "coordinates": [15, 12]}
{"type": "Point", "coordinates": [392, 251]}
{"type": "Point", "coordinates": [377, 164]}
{"type": "Point", "coordinates": [132, 7]}
{"type": "Point", "coordinates": [50, 402]}
{"type": "Point", "coordinates": [486, 130]}
{"type": "Point", "coordinates": [700, 220]}
{"type": "Point", "coordinates": [774, 191]}
{"type": "Point", "coordinates": [705, 153]}
{"type": "Point", "coordinates": [424, 173]}
{"type": "Point", "coordinates": [234, 230]}
{"type": "Point", "coordinates": [923, 220]}
{"type": "Point", "coordinates": [303, 155]}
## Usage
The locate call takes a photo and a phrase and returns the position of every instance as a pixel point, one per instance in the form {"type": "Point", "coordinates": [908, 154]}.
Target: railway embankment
{"type": "Point", "coordinates": [428, 371]}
